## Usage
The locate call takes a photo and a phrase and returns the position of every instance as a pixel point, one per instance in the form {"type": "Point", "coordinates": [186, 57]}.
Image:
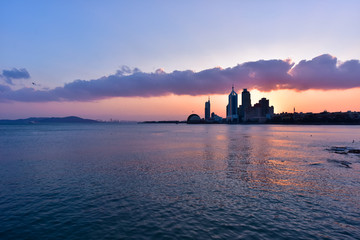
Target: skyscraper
{"type": "Point", "coordinates": [245, 104]}
{"type": "Point", "coordinates": [207, 110]}
{"type": "Point", "coordinates": [245, 99]}
{"type": "Point", "coordinates": [231, 108]}
{"type": "Point", "coordinates": [257, 113]}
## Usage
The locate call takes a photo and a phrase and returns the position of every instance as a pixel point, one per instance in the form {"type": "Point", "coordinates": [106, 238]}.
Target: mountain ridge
{"type": "Point", "coordinates": [48, 120]}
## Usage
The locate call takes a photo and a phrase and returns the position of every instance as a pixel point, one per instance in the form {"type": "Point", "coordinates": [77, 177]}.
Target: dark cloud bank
{"type": "Point", "coordinates": [14, 73]}
{"type": "Point", "coordinates": [324, 72]}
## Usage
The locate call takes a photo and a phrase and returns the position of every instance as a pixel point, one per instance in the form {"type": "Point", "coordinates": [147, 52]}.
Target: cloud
{"type": "Point", "coordinates": [323, 72]}
{"type": "Point", "coordinates": [15, 73]}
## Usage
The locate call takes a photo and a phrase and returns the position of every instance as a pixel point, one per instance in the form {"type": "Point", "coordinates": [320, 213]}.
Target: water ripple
{"type": "Point", "coordinates": [178, 182]}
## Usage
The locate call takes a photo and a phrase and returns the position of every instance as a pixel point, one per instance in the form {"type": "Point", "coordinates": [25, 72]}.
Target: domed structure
{"type": "Point", "coordinates": [193, 118]}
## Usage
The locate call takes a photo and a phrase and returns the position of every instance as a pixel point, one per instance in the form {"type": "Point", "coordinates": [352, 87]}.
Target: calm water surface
{"type": "Point", "coordinates": [154, 181]}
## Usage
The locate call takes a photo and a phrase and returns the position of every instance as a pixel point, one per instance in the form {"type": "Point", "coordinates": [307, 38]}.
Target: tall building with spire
{"type": "Point", "coordinates": [207, 109]}
{"type": "Point", "coordinates": [232, 107]}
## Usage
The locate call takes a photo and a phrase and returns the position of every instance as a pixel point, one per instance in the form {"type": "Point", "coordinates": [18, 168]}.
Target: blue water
{"type": "Point", "coordinates": [168, 181]}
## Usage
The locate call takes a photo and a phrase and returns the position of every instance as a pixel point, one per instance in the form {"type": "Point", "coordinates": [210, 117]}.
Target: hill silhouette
{"type": "Point", "coordinates": [48, 120]}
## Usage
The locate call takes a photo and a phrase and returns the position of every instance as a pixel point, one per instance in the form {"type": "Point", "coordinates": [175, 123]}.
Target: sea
{"type": "Point", "coordinates": [179, 181]}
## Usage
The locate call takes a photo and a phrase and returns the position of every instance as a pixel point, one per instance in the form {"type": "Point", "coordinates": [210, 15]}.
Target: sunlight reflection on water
{"type": "Point", "coordinates": [178, 181]}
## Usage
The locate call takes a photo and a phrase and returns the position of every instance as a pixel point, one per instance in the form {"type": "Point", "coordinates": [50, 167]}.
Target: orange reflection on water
{"type": "Point", "coordinates": [262, 158]}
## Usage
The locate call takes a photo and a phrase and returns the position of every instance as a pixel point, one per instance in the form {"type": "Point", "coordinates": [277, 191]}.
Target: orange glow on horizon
{"type": "Point", "coordinates": [174, 107]}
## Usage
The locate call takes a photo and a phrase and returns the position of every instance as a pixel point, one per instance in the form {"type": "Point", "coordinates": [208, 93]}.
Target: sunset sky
{"type": "Point", "coordinates": [160, 60]}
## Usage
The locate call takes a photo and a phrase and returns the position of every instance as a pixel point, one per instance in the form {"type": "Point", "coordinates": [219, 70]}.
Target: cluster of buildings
{"type": "Point", "coordinates": [257, 113]}
{"type": "Point", "coordinates": [260, 112]}
{"type": "Point", "coordinates": [324, 117]}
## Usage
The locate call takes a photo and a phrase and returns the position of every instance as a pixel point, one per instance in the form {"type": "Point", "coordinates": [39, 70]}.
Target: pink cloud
{"type": "Point", "coordinates": [323, 72]}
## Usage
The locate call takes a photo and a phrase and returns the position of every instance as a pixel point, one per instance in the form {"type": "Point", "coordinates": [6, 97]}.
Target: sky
{"type": "Point", "coordinates": [160, 60]}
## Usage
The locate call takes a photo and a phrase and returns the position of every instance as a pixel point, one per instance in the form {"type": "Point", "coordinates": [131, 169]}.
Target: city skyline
{"type": "Point", "coordinates": [244, 112]}
{"type": "Point", "coordinates": [145, 61]}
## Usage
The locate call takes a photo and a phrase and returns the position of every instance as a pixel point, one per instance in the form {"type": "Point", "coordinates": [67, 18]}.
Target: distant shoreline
{"type": "Point", "coordinates": [251, 123]}
{"type": "Point", "coordinates": [248, 123]}
{"type": "Point", "coordinates": [47, 120]}
{"type": "Point", "coordinates": [78, 120]}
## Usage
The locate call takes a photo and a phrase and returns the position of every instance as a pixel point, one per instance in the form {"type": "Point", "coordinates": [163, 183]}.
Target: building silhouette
{"type": "Point", "coordinates": [260, 112]}
{"type": "Point", "coordinates": [193, 119]}
{"type": "Point", "coordinates": [246, 99]}
{"type": "Point", "coordinates": [246, 103]}
{"type": "Point", "coordinates": [207, 109]}
{"type": "Point", "coordinates": [211, 118]}
{"type": "Point", "coordinates": [215, 118]}
{"type": "Point", "coordinates": [232, 107]}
